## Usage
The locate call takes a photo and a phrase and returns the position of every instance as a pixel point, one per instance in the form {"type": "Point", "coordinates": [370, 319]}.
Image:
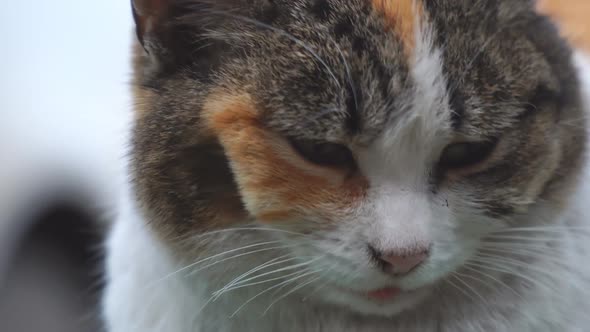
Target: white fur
{"type": "Point", "coordinates": [149, 290]}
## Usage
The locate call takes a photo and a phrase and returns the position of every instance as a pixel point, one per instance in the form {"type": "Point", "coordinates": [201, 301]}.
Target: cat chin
{"type": "Point", "coordinates": [361, 304]}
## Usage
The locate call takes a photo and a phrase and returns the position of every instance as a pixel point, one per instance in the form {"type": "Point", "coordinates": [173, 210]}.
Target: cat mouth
{"type": "Point", "coordinates": [379, 295]}
{"type": "Point", "coordinates": [384, 294]}
{"type": "Point", "coordinates": [385, 301]}
{"type": "Point", "coordinates": [388, 294]}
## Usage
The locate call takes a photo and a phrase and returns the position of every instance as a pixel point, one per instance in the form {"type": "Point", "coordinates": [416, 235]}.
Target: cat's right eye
{"type": "Point", "coordinates": [324, 153]}
{"type": "Point", "coordinates": [465, 154]}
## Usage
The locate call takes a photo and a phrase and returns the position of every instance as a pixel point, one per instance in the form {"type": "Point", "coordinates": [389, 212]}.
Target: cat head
{"type": "Point", "coordinates": [384, 139]}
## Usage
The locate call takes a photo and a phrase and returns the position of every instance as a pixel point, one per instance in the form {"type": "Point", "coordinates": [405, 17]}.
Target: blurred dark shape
{"type": "Point", "coordinates": [54, 278]}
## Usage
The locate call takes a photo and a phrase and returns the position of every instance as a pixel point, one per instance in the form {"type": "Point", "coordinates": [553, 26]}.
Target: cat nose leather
{"type": "Point", "coordinates": [401, 264]}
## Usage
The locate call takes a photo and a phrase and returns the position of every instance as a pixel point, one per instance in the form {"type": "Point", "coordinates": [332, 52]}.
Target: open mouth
{"type": "Point", "coordinates": [384, 294]}
{"type": "Point", "coordinates": [388, 295]}
{"type": "Point", "coordinates": [386, 301]}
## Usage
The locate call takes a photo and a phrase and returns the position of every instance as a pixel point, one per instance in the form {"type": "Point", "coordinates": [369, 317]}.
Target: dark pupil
{"type": "Point", "coordinates": [324, 154]}
{"type": "Point", "coordinates": [461, 155]}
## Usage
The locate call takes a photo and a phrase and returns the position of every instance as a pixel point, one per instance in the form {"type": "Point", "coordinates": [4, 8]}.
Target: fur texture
{"type": "Point", "coordinates": [230, 226]}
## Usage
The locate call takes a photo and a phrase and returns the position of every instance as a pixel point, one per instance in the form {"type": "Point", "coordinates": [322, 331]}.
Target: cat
{"type": "Point", "coordinates": [352, 165]}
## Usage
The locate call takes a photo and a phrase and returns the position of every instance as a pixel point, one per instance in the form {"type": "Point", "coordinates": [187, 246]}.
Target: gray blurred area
{"type": "Point", "coordinates": [64, 113]}
{"type": "Point", "coordinates": [53, 279]}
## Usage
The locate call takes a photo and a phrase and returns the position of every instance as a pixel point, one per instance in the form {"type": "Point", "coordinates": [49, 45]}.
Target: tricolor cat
{"type": "Point", "coordinates": [353, 165]}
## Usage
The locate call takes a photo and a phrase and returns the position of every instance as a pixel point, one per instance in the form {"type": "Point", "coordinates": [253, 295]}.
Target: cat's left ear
{"type": "Point", "coordinates": [149, 17]}
{"type": "Point", "coordinates": [172, 31]}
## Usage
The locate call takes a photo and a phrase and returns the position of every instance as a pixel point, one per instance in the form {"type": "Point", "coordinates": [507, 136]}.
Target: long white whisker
{"type": "Point", "coordinates": [322, 285]}
{"type": "Point", "coordinates": [269, 289]}
{"type": "Point", "coordinates": [291, 292]}
{"type": "Point", "coordinates": [524, 238]}
{"type": "Point", "coordinates": [479, 280]}
{"type": "Point", "coordinates": [285, 34]}
{"type": "Point", "coordinates": [189, 266]}
{"type": "Point", "coordinates": [544, 229]}
{"type": "Point", "coordinates": [458, 288]}
{"type": "Point", "coordinates": [513, 262]}
{"type": "Point", "coordinates": [272, 262]}
{"type": "Point", "coordinates": [193, 238]}
{"type": "Point", "coordinates": [220, 293]}
{"type": "Point", "coordinates": [240, 255]}
{"type": "Point", "coordinates": [240, 283]}
{"type": "Point", "coordinates": [516, 245]}
{"type": "Point", "coordinates": [239, 229]}
{"type": "Point", "coordinates": [526, 252]}
{"type": "Point", "coordinates": [494, 266]}
{"type": "Point", "coordinates": [456, 275]}
{"type": "Point", "coordinates": [348, 73]}
{"type": "Point", "coordinates": [494, 279]}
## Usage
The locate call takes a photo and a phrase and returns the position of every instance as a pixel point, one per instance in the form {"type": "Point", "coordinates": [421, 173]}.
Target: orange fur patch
{"type": "Point", "coordinates": [275, 183]}
{"type": "Point", "coordinates": [403, 17]}
{"type": "Point", "coordinates": [572, 16]}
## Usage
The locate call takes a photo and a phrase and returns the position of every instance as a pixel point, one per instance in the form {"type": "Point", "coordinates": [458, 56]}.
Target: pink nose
{"type": "Point", "coordinates": [398, 264]}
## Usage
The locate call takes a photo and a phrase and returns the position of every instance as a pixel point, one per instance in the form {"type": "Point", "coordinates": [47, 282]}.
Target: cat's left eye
{"type": "Point", "coordinates": [465, 154]}
{"type": "Point", "coordinates": [324, 154]}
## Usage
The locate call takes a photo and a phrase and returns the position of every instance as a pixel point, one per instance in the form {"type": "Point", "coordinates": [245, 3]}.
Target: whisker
{"type": "Point", "coordinates": [523, 238]}
{"type": "Point", "coordinates": [322, 285]}
{"type": "Point", "coordinates": [516, 245]}
{"type": "Point", "coordinates": [542, 229]}
{"type": "Point", "coordinates": [494, 266]}
{"type": "Point", "coordinates": [281, 32]}
{"type": "Point", "coordinates": [514, 262]}
{"type": "Point", "coordinates": [218, 294]}
{"type": "Point", "coordinates": [240, 283]}
{"type": "Point", "coordinates": [269, 289]}
{"type": "Point", "coordinates": [193, 238]}
{"type": "Point", "coordinates": [240, 255]}
{"type": "Point", "coordinates": [479, 280]}
{"type": "Point", "coordinates": [215, 297]}
{"type": "Point", "coordinates": [458, 288]}
{"type": "Point", "coordinates": [456, 276]}
{"type": "Point", "coordinates": [276, 261]}
{"type": "Point", "coordinates": [240, 229]}
{"type": "Point", "coordinates": [291, 292]}
{"type": "Point", "coordinates": [310, 120]}
{"type": "Point", "coordinates": [187, 267]}
{"type": "Point", "coordinates": [272, 262]}
{"type": "Point", "coordinates": [493, 278]}
{"type": "Point", "coordinates": [541, 253]}
{"type": "Point", "coordinates": [481, 50]}
{"type": "Point", "coordinates": [348, 73]}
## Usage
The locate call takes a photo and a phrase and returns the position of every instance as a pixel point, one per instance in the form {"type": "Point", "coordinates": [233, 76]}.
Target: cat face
{"type": "Point", "coordinates": [383, 139]}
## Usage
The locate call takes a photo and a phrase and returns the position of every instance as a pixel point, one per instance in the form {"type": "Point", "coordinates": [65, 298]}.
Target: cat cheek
{"type": "Point", "coordinates": [275, 185]}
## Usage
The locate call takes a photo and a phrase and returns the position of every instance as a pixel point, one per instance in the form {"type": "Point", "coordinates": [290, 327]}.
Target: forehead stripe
{"type": "Point", "coordinates": [403, 17]}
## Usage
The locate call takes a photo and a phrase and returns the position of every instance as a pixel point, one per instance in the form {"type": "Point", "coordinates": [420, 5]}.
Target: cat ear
{"type": "Point", "coordinates": [172, 31]}
{"type": "Point", "coordinates": [151, 18]}
{"type": "Point", "coordinates": [145, 14]}
{"type": "Point", "coordinates": [178, 32]}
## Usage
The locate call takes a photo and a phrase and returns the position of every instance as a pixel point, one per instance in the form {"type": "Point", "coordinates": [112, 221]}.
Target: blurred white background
{"type": "Point", "coordinates": [64, 110]}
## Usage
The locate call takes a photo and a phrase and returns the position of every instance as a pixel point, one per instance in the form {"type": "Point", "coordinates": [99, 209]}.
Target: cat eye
{"type": "Point", "coordinates": [324, 154]}
{"type": "Point", "coordinates": [465, 154]}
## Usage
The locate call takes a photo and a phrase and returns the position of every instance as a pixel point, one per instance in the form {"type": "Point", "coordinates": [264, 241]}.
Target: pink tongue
{"type": "Point", "coordinates": [384, 294]}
